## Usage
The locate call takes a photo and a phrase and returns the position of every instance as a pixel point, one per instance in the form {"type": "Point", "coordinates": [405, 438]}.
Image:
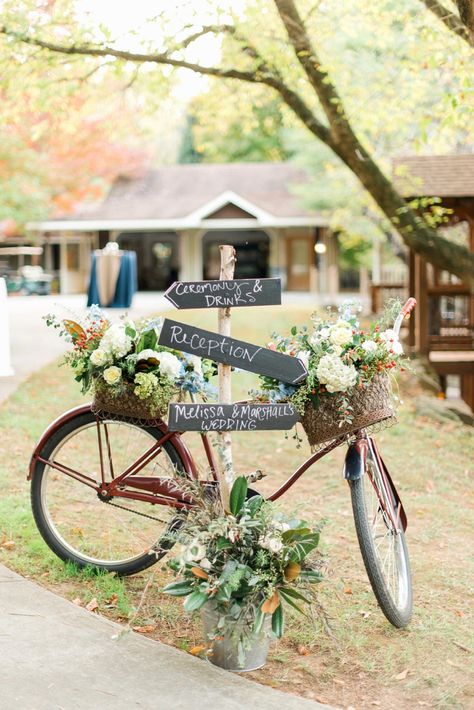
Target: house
{"type": "Point", "coordinates": [175, 217]}
{"type": "Point", "coordinates": [443, 325]}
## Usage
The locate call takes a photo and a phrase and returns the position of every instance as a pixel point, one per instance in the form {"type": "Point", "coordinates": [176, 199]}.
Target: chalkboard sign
{"type": "Point", "coordinates": [230, 351]}
{"type": "Point", "coordinates": [231, 417]}
{"type": "Point", "coordinates": [234, 293]}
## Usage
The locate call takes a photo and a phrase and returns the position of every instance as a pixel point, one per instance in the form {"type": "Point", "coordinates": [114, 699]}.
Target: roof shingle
{"type": "Point", "coordinates": [435, 175]}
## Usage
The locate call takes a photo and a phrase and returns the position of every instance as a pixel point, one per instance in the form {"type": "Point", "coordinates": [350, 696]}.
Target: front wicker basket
{"type": "Point", "coordinates": [127, 404]}
{"type": "Point", "coordinates": [370, 405]}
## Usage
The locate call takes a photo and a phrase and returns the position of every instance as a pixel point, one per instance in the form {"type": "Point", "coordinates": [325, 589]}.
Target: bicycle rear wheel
{"type": "Point", "coordinates": [122, 535]}
{"type": "Point", "coordinates": [382, 543]}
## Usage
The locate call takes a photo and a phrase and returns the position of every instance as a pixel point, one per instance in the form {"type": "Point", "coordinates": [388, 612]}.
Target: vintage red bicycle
{"type": "Point", "coordinates": [105, 493]}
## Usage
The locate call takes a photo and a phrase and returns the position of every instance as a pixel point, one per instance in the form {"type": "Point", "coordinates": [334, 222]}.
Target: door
{"type": "Point", "coordinates": [299, 257]}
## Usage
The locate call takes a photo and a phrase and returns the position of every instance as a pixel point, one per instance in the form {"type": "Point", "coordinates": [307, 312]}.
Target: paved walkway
{"type": "Point", "coordinates": [57, 656]}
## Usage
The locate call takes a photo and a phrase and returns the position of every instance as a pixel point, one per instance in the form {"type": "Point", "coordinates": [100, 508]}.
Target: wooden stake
{"type": "Point", "coordinates": [224, 371]}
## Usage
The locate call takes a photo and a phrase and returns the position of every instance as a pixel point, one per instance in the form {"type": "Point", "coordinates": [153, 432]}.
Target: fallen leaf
{"type": "Point", "coordinates": [430, 486]}
{"type": "Point", "coordinates": [303, 650]}
{"type": "Point", "coordinates": [93, 605]}
{"type": "Point", "coordinates": [147, 629]}
{"type": "Point", "coordinates": [338, 681]}
{"type": "Point", "coordinates": [113, 599]}
{"type": "Point", "coordinates": [376, 702]}
{"type": "Point", "coordinates": [78, 602]}
{"type": "Point", "coordinates": [402, 675]}
{"type": "Point", "coordinates": [347, 590]}
{"type": "Point", "coordinates": [458, 612]}
{"type": "Point", "coordinates": [196, 650]}
{"type": "Point", "coordinates": [8, 544]}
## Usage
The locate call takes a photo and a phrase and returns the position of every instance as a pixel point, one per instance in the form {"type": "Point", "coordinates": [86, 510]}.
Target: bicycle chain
{"type": "Point", "coordinates": [143, 515]}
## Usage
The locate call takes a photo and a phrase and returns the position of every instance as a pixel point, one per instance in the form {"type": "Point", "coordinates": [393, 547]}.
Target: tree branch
{"type": "Point", "coordinates": [463, 25]}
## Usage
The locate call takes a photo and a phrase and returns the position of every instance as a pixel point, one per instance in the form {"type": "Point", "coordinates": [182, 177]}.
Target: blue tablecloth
{"type": "Point", "coordinates": [126, 282]}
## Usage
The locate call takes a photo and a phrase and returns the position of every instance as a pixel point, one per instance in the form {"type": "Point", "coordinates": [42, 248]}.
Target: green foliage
{"type": "Point", "coordinates": [238, 495]}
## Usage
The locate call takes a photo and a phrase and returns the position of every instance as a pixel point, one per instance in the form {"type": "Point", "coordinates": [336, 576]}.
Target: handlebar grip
{"type": "Point", "coordinates": [409, 306]}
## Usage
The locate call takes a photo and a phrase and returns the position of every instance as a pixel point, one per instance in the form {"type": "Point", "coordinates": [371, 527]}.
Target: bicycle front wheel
{"type": "Point", "coordinates": [382, 542]}
{"type": "Point", "coordinates": [121, 535]}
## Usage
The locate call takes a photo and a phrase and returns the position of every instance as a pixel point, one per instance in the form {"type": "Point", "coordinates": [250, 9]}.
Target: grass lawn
{"type": "Point", "coordinates": [350, 656]}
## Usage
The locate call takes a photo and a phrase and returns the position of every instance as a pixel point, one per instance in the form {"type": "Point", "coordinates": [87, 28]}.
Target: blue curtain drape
{"type": "Point", "coordinates": [126, 282]}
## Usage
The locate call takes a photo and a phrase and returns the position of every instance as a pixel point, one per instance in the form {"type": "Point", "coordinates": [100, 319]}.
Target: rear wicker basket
{"type": "Point", "coordinates": [127, 404]}
{"type": "Point", "coordinates": [370, 405]}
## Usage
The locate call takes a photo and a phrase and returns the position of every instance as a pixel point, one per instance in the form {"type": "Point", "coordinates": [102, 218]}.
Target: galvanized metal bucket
{"type": "Point", "coordinates": [224, 651]}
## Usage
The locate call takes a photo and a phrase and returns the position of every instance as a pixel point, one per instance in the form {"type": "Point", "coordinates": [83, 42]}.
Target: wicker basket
{"type": "Point", "coordinates": [126, 404]}
{"type": "Point", "coordinates": [370, 405]}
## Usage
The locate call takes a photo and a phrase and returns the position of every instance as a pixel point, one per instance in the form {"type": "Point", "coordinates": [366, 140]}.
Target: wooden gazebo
{"type": "Point", "coordinates": [443, 326]}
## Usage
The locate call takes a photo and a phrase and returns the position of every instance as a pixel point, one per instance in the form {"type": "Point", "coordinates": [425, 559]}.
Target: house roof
{"type": "Point", "coordinates": [189, 195]}
{"type": "Point", "coordinates": [435, 175]}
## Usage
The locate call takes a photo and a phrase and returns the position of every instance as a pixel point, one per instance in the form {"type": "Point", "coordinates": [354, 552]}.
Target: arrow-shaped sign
{"type": "Point", "coordinates": [222, 294]}
{"type": "Point", "coordinates": [230, 351]}
{"type": "Point", "coordinates": [231, 417]}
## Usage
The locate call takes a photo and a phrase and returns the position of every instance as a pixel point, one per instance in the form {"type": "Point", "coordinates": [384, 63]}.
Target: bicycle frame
{"type": "Point", "coordinates": [155, 490]}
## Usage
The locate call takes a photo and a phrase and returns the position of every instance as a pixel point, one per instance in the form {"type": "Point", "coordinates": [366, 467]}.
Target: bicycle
{"type": "Point", "coordinates": [89, 462]}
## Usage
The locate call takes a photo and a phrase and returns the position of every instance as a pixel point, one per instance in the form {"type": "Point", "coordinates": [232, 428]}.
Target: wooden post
{"type": "Point", "coordinates": [224, 371]}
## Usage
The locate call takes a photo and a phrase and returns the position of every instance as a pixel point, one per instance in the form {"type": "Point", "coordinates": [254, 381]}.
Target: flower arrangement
{"type": "Point", "coordinates": [119, 360]}
{"type": "Point", "coordinates": [245, 563]}
{"type": "Point", "coordinates": [343, 362]}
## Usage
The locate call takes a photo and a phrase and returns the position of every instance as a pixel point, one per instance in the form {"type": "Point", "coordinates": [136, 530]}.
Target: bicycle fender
{"type": "Point", "coordinates": [50, 430]}
{"type": "Point", "coordinates": [356, 457]}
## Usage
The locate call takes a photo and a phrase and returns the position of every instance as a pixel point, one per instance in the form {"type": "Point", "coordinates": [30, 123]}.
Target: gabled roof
{"type": "Point", "coordinates": [435, 175]}
{"type": "Point", "coordinates": [189, 195]}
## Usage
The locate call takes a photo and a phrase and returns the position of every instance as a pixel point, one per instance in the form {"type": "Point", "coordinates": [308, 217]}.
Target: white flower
{"type": "Point", "coordinates": [112, 375]}
{"type": "Point", "coordinates": [319, 335]}
{"type": "Point", "coordinates": [341, 333]}
{"type": "Point", "coordinates": [205, 563]}
{"type": "Point", "coordinates": [147, 354]}
{"type": "Point", "coordinates": [170, 365]}
{"type": "Point", "coordinates": [333, 373]}
{"type": "Point", "coordinates": [194, 552]}
{"type": "Point", "coordinates": [336, 349]}
{"type": "Point", "coordinates": [304, 357]}
{"type": "Point", "coordinates": [99, 357]}
{"type": "Point", "coordinates": [115, 341]}
{"type": "Point", "coordinates": [271, 543]}
{"type": "Point", "coordinates": [369, 346]}
{"type": "Point", "coordinates": [196, 362]}
{"type": "Point", "coordinates": [390, 339]}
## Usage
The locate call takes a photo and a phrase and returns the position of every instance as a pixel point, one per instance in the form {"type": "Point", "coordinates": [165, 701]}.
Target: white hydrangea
{"type": "Point", "coordinates": [99, 357]}
{"type": "Point", "coordinates": [115, 341]}
{"type": "Point", "coordinates": [196, 362]}
{"type": "Point", "coordinates": [333, 373]}
{"type": "Point", "coordinates": [170, 365]}
{"type": "Point", "coordinates": [147, 354]}
{"type": "Point", "coordinates": [341, 333]}
{"type": "Point", "coordinates": [112, 375]}
{"type": "Point", "coordinates": [369, 346]}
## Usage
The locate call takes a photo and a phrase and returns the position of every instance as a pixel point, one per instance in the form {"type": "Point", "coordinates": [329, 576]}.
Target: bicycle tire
{"type": "Point", "coordinates": [63, 506]}
{"type": "Point", "coordinates": [389, 576]}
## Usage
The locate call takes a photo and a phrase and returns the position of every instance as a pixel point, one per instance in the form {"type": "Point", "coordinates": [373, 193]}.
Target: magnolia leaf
{"type": "Point", "coordinates": [238, 495]}
{"type": "Point", "coordinates": [311, 576]}
{"type": "Point", "coordinates": [178, 589]}
{"type": "Point", "coordinates": [278, 622]}
{"type": "Point", "coordinates": [287, 598]}
{"type": "Point", "coordinates": [294, 534]}
{"type": "Point", "coordinates": [198, 572]}
{"type": "Point", "coordinates": [74, 329]}
{"type": "Point", "coordinates": [292, 571]}
{"type": "Point", "coordinates": [270, 604]}
{"type": "Point", "coordinates": [195, 601]}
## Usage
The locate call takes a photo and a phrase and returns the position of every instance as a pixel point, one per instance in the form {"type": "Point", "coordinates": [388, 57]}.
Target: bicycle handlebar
{"type": "Point", "coordinates": [407, 307]}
